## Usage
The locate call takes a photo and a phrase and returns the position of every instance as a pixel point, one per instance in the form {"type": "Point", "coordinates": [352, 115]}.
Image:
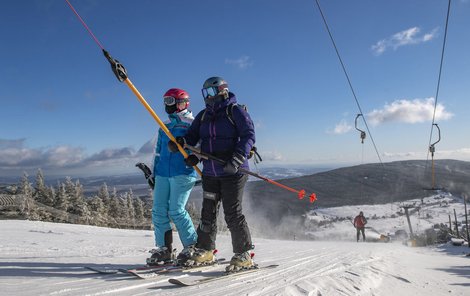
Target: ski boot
{"type": "Point", "coordinates": [201, 257]}
{"type": "Point", "coordinates": [240, 261]}
{"type": "Point", "coordinates": [185, 255]}
{"type": "Point", "coordinates": [161, 255]}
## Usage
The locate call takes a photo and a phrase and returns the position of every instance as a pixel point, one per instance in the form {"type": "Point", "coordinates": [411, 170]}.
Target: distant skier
{"type": "Point", "coordinates": [230, 138]}
{"type": "Point", "coordinates": [360, 223]}
{"type": "Point", "coordinates": [173, 183]}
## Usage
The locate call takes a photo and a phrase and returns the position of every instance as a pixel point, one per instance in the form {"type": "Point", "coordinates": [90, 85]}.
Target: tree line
{"type": "Point", "coordinates": [66, 203]}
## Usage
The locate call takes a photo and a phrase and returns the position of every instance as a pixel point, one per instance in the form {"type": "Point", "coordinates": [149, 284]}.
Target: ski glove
{"type": "Point", "coordinates": [231, 166]}
{"type": "Point", "coordinates": [147, 173]}
{"type": "Point", "coordinates": [192, 160]}
{"type": "Point", "coordinates": [172, 145]}
{"type": "Point", "coordinates": [151, 181]}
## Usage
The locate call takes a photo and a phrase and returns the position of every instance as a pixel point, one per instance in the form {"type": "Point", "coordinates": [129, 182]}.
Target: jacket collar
{"type": "Point", "coordinates": [217, 106]}
{"type": "Point", "coordinates": [185, 114]}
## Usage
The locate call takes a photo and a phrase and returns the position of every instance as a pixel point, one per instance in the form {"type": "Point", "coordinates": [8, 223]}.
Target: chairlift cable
{"type": "Point", "coordinates": [348, 79]}
{"type": "Point", "coordinates": [431, 148]}
{"type": "Point", "coordinates": [440, 73]}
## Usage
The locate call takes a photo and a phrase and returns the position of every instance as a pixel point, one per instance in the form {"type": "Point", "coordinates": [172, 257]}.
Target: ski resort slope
{"type": "Point", "coordinates": [38, 258]}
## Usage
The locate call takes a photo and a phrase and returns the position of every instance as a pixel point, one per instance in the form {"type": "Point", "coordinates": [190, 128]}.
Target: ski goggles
{"type": "Point", "coordinates": [172, 100]}
{"type": "Point", "coordinates": [213, 90]}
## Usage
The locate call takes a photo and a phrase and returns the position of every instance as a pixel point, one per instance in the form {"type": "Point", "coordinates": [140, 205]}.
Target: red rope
{"type": "Point", "coordinates": [83, 23]}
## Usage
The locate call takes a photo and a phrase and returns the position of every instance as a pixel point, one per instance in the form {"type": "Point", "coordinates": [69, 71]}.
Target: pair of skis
{"type": "Point", "coordinates": [148, 272]}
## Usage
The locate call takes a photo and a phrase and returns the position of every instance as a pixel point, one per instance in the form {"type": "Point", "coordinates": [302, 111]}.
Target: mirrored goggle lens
{"type": "Point", "coordinates": [169, 101]}
{"type": "Point", "coordinates": [210, 92]}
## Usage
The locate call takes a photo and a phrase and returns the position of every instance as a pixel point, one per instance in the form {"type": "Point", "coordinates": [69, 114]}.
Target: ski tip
{"type": "Point", "coordinates": [178, 282]}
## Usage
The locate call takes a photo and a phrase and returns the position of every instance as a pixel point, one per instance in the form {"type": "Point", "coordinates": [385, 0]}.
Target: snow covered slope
{"type": "Point", "coordinates": [38, 258]}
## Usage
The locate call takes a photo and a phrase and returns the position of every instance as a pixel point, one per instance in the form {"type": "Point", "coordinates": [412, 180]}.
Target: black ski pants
{"type": "Point", "coordinates": [359, 230]}
{"type": "Point", "coordinates": [227, 190]}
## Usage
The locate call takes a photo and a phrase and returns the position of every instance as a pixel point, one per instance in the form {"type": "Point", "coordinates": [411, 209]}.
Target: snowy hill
{"type": "Point", "coordinates": [39, 258]}
{"type": "Point", "coordinates": [359, 185]}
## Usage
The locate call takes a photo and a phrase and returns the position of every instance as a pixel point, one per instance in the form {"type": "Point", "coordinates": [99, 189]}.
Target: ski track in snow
{"type": "Point", "coordinates": [34, 260]}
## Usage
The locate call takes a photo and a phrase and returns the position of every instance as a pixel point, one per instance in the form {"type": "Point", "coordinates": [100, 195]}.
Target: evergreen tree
{"type": "Point", "coordinates": [40, 186]}
{"type": "Point", "coordinates": [61, 202]}
{"type": "Point", "coordinates": [77, 205]}
{"type": "Point", "coordinates": [148, 204]}
{"type": "Point", "coordinates": [123, 211]}
{"type": "Point", "coordinates": [139, 212]}
{"type": "Point", "coordinates": [103, 194]}
{"type": "Point", "coordinates": [113, 208]}
{"type": "Point", "coordinates": [96, 206]}
{"type": "Point", "coordinates": [28, 207]}
{"type": "Point", "coordinates": [130, 207]}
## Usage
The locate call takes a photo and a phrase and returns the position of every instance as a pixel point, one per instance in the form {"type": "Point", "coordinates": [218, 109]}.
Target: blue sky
{"type": "Point", "coordinates": [64, 111]}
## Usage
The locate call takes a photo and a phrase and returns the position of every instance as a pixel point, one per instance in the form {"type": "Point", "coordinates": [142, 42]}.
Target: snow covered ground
{"type": "Point", "coordinates": [384, 219]}
{"type": "Point", "coordinates": [38, 258]}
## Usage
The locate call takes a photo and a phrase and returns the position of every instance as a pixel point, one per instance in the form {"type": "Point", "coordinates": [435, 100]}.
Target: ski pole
{"type": "Point", "coordinates": [300, 193]}
{"type": "Point", "coordinates": [121, 75]}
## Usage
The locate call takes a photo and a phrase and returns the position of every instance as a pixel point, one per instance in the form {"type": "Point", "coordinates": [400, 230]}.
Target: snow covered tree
{"type": "Point", "coordinates": [98, 209]}
{"type": "Point", "coordinates": [103, 194]}
{"type": "Point", "coordinates": [28, 207]}
{"type": "Point", "coordinates": [77, 204]}
{"type": "Point", "coordinates": [113, 208]}
{"type": "Point", "coordinates": [139, 212]}
{"type": "Point", "coordinates": [42, 193]}
{"type": "Point", "coordinates": [130, 207]}
{"type": "Point", "coordinates": [61, 202]}
{"type": "Point", "coordinates": [123, 211]}
{"type": "Point", "coordinates": [40, 186]}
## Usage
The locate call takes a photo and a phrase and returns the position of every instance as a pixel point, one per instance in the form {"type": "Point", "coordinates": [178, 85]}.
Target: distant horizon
{"type": "Point", "coordinates": [6, 179]}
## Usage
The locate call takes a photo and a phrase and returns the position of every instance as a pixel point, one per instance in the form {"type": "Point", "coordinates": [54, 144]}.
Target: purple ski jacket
{"type": "Point", "coordinates": [219, 137]}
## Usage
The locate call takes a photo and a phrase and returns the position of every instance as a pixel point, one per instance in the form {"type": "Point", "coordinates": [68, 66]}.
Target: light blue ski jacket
{"type": "Point", "coordinates": [167, 164]}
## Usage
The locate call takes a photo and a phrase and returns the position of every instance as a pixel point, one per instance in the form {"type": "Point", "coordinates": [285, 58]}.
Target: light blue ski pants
{"type": "Point", "coordinates": [169, 202]}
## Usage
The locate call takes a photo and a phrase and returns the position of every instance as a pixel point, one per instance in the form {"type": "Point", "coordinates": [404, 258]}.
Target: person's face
{"type": "Point", "coordinates": [181, 106]}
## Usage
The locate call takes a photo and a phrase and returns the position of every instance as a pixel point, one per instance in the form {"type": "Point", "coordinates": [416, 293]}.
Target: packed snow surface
{"type": "Point", "coordinates": [39, 258]}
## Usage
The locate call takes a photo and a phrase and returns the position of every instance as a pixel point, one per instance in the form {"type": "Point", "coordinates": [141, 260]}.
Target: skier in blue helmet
{"type": "Point", "coordinates": [230, 139]}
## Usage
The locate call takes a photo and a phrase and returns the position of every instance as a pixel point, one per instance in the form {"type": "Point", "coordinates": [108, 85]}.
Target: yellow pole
{"type": "Point", "coordinates": [158, 120]}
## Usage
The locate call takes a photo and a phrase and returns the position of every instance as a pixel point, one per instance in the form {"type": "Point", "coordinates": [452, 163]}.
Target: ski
{"type": "Point", "coordinates": [143, 268]}
{"type": "Point", "coordinates": [155, 273]}
{"type": "Point", "coordinates": [221, 275]}
{"type": "Point", "coordinates": [151, 271]}
{"type": "Point", "coordinates": [102, 270]}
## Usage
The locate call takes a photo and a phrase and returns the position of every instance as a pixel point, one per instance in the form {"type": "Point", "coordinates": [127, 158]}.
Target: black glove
{"type": "Point", "coordinates": [231, 166]}
{"type": "Point", "coordinates": [192, 160]}
{"type": "Point", "coordinates": [147, 173]}
{"type": "Point", "coordinates": [151, 181]}
{"type": "Point", "coordinates": [172, 145]}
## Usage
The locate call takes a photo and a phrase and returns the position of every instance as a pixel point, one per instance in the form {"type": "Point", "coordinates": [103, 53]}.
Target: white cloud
{"type": "Point", "coordinates": [460, 153]}
{"type": "Point", "coordinates": [406, 37]}
{"type": "Point", "coordinates": [15, 158]}
{"type": "Point", "coordinates": [272, 155]}
{"type": "Point", "coordinates": [341, 128]}
{"type": "Point", "coordinates": [242, 63]}
{"type": "Point", "coordinates": [409, 111]}
{"type": "Point", "coordinates": [404, 155]}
